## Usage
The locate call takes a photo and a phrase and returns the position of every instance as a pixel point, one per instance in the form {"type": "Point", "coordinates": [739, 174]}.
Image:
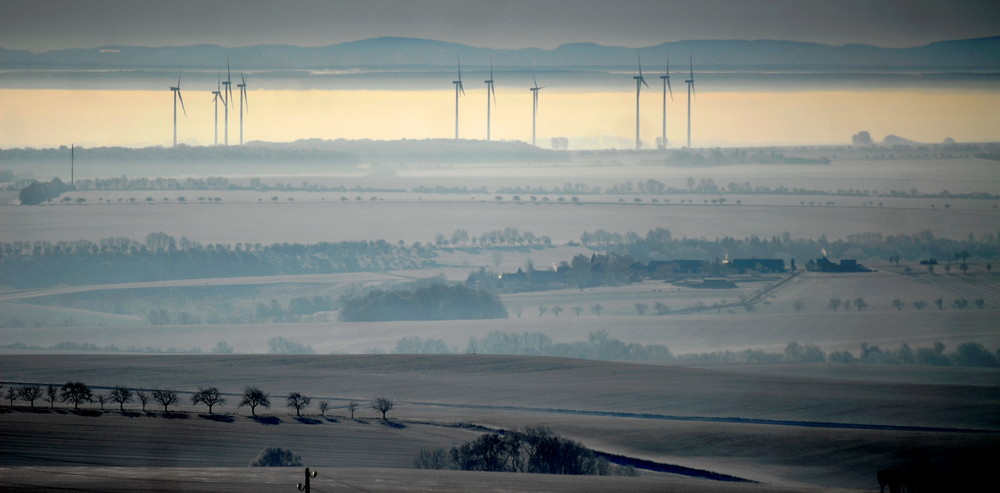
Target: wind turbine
{"type": "Point", "coordinates": [227, 93]}
{"type": "Point", "coordinates": [177, 95]}
{"type": "Point", "coordinates": [217, 97]}
{"type": "Point", "coordinates": [534, 105]}
{"type": "Point", "coordinates": [489, 90]}
{"type": "Point", "coordinates": [639, 79]}
{"type": "Point", "coordinates": [458, 87]}
{"type": "Point", "coordinates": [244, 101]}
{"type": "Point", "coordinates": [690, 83]}
{"type": "Point", "coordinates": [666, 85]}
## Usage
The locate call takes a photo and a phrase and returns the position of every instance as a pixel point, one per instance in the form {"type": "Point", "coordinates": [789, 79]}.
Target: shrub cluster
{"type": "Point", "coordinates": [530, 450]}
{"type": "Point", "coordinates": [433, 302]}
{"type": "Point", "coordinates": [39, 192]}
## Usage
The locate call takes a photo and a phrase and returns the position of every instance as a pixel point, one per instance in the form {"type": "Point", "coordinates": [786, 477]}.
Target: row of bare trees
{"type": "Point", "coordinates": [898, 304]}
{"type": "Point", "coordinates": [252, 397]}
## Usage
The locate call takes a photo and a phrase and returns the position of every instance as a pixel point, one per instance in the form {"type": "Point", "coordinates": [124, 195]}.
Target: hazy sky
{"type": "Point", "coordinates": [40, 25]}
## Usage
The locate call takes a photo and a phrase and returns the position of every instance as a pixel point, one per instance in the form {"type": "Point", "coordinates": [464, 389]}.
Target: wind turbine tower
{"type": "Point", "coordinates": [666, 85]}
{"type": "Point", "coordinates": [690, 83]}
{"type": "Point", "coordinates": [489, 91]}
{"type": "Point", "coordinates": [177, 96]}
{"type": "Point", "coordinates": [639, 79]}
{"type": "Point", "coordinates": [534, 106]}
{"type": "Point", "coordinates": [216, 98]}
{"type": "Point", "coordinates": [227, 94]}
{"type": "Point", "coordinates": [458, 87]}
{"type": "Point", "coordinates": [244, 101]}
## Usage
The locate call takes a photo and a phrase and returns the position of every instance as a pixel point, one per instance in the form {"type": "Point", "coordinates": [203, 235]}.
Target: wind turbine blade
{"type": "Point", "coordinates": [494, 91]}
{"type": "Point", "coordinates": [182, 101]}
{"type": "Point", "coordinates": [533, 79]}
{"type": "Point", "coordinates": [179, 79]}
{"type": "Point", "coordinates": [671, 89]}
{"type": "Point", "coordinates": [643, 80]}
{"type": "Point", "coordinates": [246, 99]}
{"type": "Point", "coordinates": [229, 73]}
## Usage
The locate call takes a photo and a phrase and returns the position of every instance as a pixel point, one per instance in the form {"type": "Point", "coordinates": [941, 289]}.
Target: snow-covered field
{"type": "Point", "coordinates": [782, 425]}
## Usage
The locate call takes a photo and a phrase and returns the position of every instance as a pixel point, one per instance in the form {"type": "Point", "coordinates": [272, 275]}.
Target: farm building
{"type": "Point", "coordinates": [846, 265]}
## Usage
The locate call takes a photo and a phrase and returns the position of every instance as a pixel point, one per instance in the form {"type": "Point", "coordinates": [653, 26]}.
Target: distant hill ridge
{"type": "Point", "coordinates": [397, 52]}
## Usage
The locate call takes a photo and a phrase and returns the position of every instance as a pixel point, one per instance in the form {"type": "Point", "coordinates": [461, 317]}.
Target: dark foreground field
{"type": "Point", "coordinates": [783, 427]}
{"type": "Point", "coordinates": [115, 480]}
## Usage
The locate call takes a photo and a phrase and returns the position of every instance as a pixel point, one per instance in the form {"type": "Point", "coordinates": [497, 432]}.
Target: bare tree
{"type": "Point", "coordinates": [835, 303]}
{"type": "Point", "coordinates": [298, 401]}
{"type": "Point", "coordinates": [382, 405]}
{"type": "Point", "coordinates": [640, 308]}
{"type": "Point", "coordinates": [596, 308]}
{"type": "Point", "coordinates": [76, 392]}
{"type": "Point", "coordinates": [208, 396]}
{"type": "Point", "coordinates": [860, 303]}
{"type": "Point", "coordinates": [165, 398]}
{"type": "Point", "coordinates": [12, 394]}
{"type": "Point", "coordinates": [323, 407]}
{"type": "Point", "coordinates": [798, 305]}
{"type": "Point", "coordinates": [353, 406]}
{"type": "Point", "coordinates": [557, 310]}
{"type": "Point", "coordinates": [700, 305]}
{"type": "Point", "coordinates": [31, 393]}
{"type": "Point", "coordinates": [253, 397]}
{"type": "Point", "coordinates": [897, 304]}
{"type": "Point", "coordinates": [578, 310]}
{"type": "Point", "coordinates": [121, 395]}
{"type": "Point", "coordinates": [52, 395]}
{"type": "Point", "coordinates": [102, 399]}
{"type": "Point", "coordinates": [143, 397]}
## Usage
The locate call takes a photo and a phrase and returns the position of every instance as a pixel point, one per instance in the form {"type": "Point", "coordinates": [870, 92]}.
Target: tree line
{"type": "Point", "coordinates": [660, 244]}
{"type": "Point", "coordinates": [29, 264]}
{"type": "Point", "coordinates": [252, 397]}
{"type": "Point", "coordinates": [275, 345]}
{"type": "Point", "coordinates": [601, 346]}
